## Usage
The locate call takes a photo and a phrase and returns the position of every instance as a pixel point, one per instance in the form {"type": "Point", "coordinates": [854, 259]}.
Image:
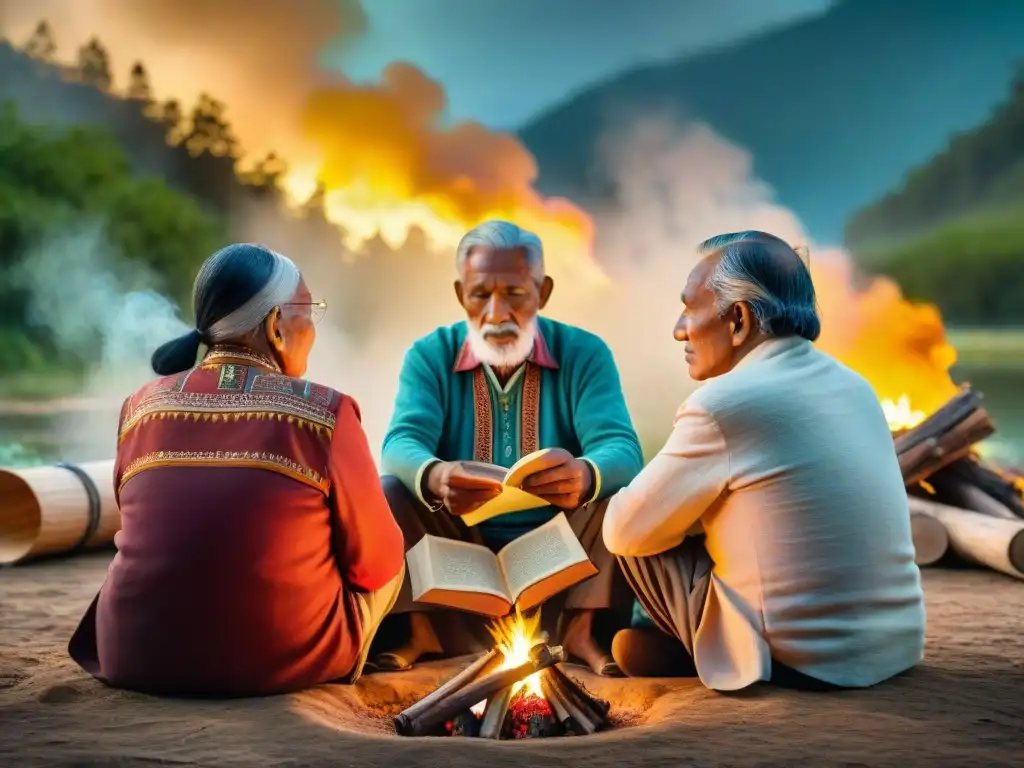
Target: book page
{"type": "Point", "coordinates": [457, 565]}
{"type": "Point", "coordinates": [509, 500]}
{"type": "Point", "coordinates": [540, 554]}
{"type": "Point", "coordinates": [490, 472]}
{"type": "Point", "coordinates": [526, 466]}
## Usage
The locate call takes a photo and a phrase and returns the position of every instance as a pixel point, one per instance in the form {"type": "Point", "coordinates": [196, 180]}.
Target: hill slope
{"type": "Point", "coordinates": [833, 109]}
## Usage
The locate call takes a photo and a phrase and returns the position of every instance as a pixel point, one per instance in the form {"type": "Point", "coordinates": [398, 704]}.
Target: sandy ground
{"type": "Point", "coordinates": [964, 706]}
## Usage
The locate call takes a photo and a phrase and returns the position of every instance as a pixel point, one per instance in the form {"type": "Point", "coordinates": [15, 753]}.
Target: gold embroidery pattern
{"type": "Point", "coordinates": [230, 406]}
{"type": "Point", "coordinates": [529, 430]}
{"type": "Point", "coordinates": [232, 377]}
{"type": "Point", "coordinates": [259, 460]}
{"type": "Point", "coordinates": [483, 427]}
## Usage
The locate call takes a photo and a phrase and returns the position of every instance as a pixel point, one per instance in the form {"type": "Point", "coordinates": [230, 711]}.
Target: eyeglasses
{"type": "Point", "coordinates": [317, 309]}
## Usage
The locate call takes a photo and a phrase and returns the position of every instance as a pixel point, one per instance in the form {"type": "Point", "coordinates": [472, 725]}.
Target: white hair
{"type": "Point", "coordinates": [503, 236]}
{"type": "Point", "coordinates": [280, 287]}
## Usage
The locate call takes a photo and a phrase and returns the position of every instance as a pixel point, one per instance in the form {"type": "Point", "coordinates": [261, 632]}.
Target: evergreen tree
{"type": "Point", "coordinates": [209, 131]}
{"type": "Point", "coordinates": [94, 65]}
{"type": "Point", "coordinates": [138, 84]}
{"type": "Point", "coordinates": [41, 44]}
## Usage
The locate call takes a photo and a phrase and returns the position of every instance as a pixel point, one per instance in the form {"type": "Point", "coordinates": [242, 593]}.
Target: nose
{"type": "Point", "coordinates": [679, 332]}
{"type": "Point", "coordinates": [497, 310]}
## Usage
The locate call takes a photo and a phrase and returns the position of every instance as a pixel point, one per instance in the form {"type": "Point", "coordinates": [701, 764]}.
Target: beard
{"type": "Point", "coordinates": [502, 356]}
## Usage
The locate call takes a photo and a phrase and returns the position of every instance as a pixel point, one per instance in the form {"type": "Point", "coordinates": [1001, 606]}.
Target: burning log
{"type": "Point", "coordinates": [991, 541]}
{"type": "Point", "coordinates": [425, 719]}
{"type": "Point", "coordinates": [494, 716]}
{"type": "Point", "coordinates": [482, 666]}
{"type": "Point", "coordinates": [943, 438]}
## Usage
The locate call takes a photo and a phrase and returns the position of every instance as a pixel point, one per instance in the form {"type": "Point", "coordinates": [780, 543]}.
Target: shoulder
{"type": "Point", "coordinates": [440, 345]}
{"type": "Point", "coordinates": [570, 344]}
{"type": "Point", "coordinates": [314, 394]}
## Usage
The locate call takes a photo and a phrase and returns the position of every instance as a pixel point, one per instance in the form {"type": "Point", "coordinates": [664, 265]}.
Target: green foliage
{"type": "Point", "coordinates": [980, 168]}
{"type": "Point", "coordinates": [53, 179]}
{"type": "Point", "coordinates": [971, 267]}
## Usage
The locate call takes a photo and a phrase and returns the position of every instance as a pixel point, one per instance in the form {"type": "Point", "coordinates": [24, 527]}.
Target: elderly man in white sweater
{"type": "Point", "coordinates": [769, 540]}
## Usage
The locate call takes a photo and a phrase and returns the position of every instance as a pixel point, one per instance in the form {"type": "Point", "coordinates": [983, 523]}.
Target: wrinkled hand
{"type": "Point", "coordinates": [460, 492]}
{"type": "Point", "coordinates": [564, 481]}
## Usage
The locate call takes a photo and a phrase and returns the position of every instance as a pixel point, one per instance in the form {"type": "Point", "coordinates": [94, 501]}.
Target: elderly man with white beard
{"type": "Point", "coordinates": [493, 388]}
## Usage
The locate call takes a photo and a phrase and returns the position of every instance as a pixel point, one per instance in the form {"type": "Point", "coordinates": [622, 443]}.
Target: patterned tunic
{"type": "Point", "coordinates": [252, 512]}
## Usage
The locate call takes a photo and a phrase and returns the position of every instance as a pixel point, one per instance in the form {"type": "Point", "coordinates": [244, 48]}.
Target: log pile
{"type": "Point", "coordinates": [961, 507]}
{"type": "Point", "coordinates": [566, 708]}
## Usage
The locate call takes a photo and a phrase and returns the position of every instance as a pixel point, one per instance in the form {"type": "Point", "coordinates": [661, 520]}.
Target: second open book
{"type": "Point", "coordinates": [524, 573]}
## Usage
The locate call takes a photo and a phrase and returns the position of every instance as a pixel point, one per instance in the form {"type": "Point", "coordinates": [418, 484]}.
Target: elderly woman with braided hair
{"type": "Point", "coordinates": [257, 553]}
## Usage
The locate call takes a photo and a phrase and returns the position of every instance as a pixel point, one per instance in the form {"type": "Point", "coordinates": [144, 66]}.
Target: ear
{"type": "Point", "coordinates": [272, 329]}
{"type": "Point", "coordinates": [458, 292]}
{"type": "Point", "coordinates": [547, 285]}
{"type": "Point", "coordinates": [741, 323]}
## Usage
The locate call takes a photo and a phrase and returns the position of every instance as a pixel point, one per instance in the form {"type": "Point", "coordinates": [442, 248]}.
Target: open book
{"type": "Point", "coordinates": [512, 498]}
{"type": "Point", "coordinates": [525, 572]}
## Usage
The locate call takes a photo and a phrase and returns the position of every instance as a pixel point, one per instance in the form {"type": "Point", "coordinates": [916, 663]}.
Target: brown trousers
{"type": "Point", "coordinates": [461, 633]}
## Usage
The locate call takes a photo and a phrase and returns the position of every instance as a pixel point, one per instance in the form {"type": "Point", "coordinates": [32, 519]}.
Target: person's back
{"type": "Point", "coordinates": [257, 552]}
{"type": "Point", "coordinates": [815, 531]}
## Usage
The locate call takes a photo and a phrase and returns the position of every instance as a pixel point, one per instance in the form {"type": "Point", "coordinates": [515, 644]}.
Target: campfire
{"type": "Point", "coordinates": [514, 691]}
{"type": "Point", "coordinates": [960, 505]}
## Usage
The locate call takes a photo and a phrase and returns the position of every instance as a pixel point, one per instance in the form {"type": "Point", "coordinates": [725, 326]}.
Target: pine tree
{"type": "Point", "coordinates": [209, 131]}
{"type": "Point", "coordinates": [94, 64]}
{"type": "Point", "coordinates": [138, 84]}
{"type": "Point", "coordinates": [41, 44]}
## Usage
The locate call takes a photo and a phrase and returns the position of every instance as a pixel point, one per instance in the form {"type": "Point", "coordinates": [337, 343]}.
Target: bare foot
{"type": "Point", "coordinates": [579, 643]}
{"type": "Point", "coordinates": [422, 639]}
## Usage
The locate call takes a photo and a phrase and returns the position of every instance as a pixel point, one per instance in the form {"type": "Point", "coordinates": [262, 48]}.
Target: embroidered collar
{"type": "Point", "coordinates": [228, 354]}
{"type": "Point", "coordinates": [540, 355]}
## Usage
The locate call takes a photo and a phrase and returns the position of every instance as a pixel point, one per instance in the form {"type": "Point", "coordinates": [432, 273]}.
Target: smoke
{"type": "Point", "coordinates": [90, 300]}
{"type": "Point", "coordinates": [391, 163]}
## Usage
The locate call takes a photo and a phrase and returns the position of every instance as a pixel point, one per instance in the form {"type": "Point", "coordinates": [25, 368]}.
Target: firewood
{"type": "Point", "coordinates": [985, 540]}
{"type": "Point", "coordinates": [429, 718]}
{"type": "Point", "coordinates": [943, 438]}
{"type": "Point", "coordinates": [600, 706]}
{"type": "Point", "coordinates": [486, 663]}
{"type": "Point", "coordinates": [930, 538]}
{"type": "Point", "coordinates": [961, 483]}
{"type": "Point", "coordinates": [575, 716]}
{"type": "Point", "coordinates": [495, 713]}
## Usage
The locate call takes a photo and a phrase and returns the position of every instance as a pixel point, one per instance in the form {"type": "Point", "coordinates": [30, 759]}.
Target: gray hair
{"type": "Point", "coordinates": [281, 283]}
{"type": "Point", "coordinates": [769, 275]}
{"type": "Point", "coordinates": [503, 236]}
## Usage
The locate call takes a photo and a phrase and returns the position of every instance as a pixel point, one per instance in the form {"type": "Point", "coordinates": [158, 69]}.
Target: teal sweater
{"type": "Point", "coordinates": [581, 409]}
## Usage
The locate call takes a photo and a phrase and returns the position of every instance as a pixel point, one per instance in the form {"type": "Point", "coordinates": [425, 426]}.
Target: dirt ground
{"type": "Point", "coordinates": [963, 706]}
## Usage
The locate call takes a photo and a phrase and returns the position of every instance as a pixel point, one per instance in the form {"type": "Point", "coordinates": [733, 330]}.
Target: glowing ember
{"type": "Point", "coordinates": [514, 636]}
{"type": "Point", "coordinates": [901, 415]}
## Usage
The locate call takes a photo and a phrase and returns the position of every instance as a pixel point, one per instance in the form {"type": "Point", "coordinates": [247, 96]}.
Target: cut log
{"type": "Point", "coordinates": [930, 538]}
{"type": "Point", "coordinates": [943, 438]}
{"type": "Point", "coordinates": [985, 540]}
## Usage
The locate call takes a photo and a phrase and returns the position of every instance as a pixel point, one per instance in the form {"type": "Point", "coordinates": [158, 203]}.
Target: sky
{"type": "Point", "coordinates": [504, 61]}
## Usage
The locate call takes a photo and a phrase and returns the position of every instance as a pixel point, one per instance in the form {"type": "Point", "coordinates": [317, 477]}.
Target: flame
{"type": "Point", "coordinates": [514, 636]}
{"type": "Point", "coordinates": [901, 414]}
